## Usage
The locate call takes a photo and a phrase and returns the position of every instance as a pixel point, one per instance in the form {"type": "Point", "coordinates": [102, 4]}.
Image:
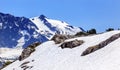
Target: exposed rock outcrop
{"type": "Point", "coordinates": [27, 51]}
{"type": "Point", "coordinates": [58, 38]}
{"type": "Point", "coordinates": [24, 65]}
{"type": "Point", "coordinates": [100, 45]}
{"type": "Point", "coordinates": [90, 50]}
{"type": "Point", "coordinates": [79, 34]}
{"type": "Point", "coordinates": [72, 44]}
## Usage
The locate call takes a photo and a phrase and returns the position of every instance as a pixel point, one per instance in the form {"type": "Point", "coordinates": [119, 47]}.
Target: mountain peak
{"type": "Point", "coordinates": [42, 17]}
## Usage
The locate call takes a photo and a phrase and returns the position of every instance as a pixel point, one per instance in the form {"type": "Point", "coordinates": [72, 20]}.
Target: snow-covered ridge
{"type": "Point", "coordinates": [48, 56]}
{"type": "Point", "coordinates": [22, 31]}
{"type": "Point", "coordinates": [49, 27]}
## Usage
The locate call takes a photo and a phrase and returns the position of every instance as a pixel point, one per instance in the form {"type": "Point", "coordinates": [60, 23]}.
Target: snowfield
{"type": "Point", "coordinates": [48, 56]}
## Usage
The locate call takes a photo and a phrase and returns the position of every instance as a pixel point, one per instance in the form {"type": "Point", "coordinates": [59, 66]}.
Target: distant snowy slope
{"type": "Point", "coordinates": [49, 27]}
{"type": "Point", "coordinates": [48, 56]}
{"type": "Point", "coordinates": [8, 54]}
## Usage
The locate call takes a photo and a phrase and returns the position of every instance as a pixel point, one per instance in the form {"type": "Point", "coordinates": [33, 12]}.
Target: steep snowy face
{"type": "Point", "coordinates": [48, 56]}
{"type": "Point", "coordinates": [49, 27]}
{"type": "Point", "coordinates": [18, 32]}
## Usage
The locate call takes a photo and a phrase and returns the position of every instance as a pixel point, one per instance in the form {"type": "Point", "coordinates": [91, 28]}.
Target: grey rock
{"type": "Point", "coordinates": [59, 38]}
{"type": "Point", "coordinates": [100, 45]}
{"type": "Point", "coordinates": [27, 51]}
{"type": "Point", "coordinates": [71, 44]}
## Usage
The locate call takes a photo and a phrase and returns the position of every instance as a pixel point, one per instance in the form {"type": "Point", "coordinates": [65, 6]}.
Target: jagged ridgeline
{"type": "Point", "coordinates": [19, 32]}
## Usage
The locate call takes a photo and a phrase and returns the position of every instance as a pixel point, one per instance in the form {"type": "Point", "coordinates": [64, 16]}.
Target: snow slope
{"type": "Point", "coordinates": [49, 27]}
{"type": "Point", "coordinates": [48, 56]}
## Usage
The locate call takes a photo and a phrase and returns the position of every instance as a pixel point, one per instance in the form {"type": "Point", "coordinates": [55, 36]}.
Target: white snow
{"type": "Point", "coordinates": [16, 24]}
{"type": "Point", "coordinates": [48, 56]}
{"type": "Point", "coordinates": [9, 53]}
{"type": "Point", "coordinates": [25, 33]}
{"type": "Point", "coordinates": [39, 24]}
{"type": "Point", "coordinates": [1, 25]}
{"type": "Point", "coordinates": [42, 28]}
{"type": "Point", "coordinates": [61, 26]}
{"type": "Point", "coordinates": [57, 23]}
{"type": "Point", "coordinates": [21, 42]}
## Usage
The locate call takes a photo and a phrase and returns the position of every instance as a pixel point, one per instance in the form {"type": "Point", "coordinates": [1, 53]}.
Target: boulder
{"type": "Point", "coordinates": [100, 45]}
{"type": "Point", "coordinates": [27, 51]}
{"type": "Point", "coordinates": [109, 40]}
{"type": "Point", "coordinates": [79, 34]}
{"type": "Point", "coordinates": [72, 44]}
{"type": "Point", "coordinates": [25, 65]}
{"type": "Point", "coordinates": [59, 38]}
{"type": "Point", "coordinates": [90, 50]}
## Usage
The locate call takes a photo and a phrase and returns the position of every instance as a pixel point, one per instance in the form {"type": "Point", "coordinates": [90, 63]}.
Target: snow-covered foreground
{"type": "Point", "coordinates": [48, 56]}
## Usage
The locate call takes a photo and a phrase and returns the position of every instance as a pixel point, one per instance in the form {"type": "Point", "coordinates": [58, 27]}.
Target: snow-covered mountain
{"type": "Point", "coordinates": [49, 56]}
{"type": "Point", "coordinates": [19, 32]}
{"type": "Point", "coordinates": [49, 27]}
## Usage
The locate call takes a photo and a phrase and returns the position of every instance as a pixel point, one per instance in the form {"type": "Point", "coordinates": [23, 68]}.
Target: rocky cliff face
{"type": "Point", "coordinates": [27, 51]}
{"type": "Point", "coordinates": [18, 32]}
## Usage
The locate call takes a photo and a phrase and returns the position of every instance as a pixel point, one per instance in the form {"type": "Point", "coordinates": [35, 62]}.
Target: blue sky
{"type": "Point", "coordinates": [99, 14]}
